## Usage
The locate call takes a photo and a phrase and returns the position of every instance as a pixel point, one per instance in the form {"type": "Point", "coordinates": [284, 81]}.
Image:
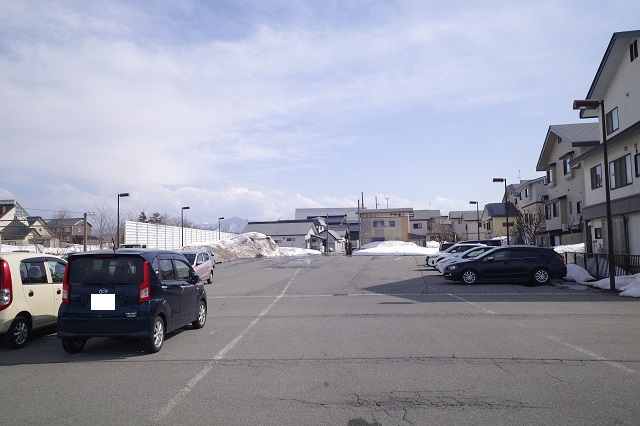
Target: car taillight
{"type": "Point", "coordinates": [145, 287]}
{"type": "Point", "coordinates": [561, 258]}
{"type": "Point", "coordinates": [65, 285]}
{"type": "Point", "coordinates": [6, 287]}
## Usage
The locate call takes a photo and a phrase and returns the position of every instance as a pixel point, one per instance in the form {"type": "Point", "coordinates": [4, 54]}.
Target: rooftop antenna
{"type": "Point", "coordinates": [387, 197]}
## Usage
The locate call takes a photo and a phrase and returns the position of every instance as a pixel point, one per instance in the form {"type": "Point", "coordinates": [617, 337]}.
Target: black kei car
{"type": "Point", "coordinates": [510, 263]}
{"type": "Point", "coordinates": [141, 293]}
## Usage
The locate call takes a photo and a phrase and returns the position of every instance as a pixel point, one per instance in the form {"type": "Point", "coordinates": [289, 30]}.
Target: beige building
{"type": "Point", "coordinates": [385, 225]}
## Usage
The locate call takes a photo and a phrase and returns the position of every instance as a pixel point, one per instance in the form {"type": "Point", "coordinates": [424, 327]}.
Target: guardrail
{"type": "Point", "coordinates": [597, 264]}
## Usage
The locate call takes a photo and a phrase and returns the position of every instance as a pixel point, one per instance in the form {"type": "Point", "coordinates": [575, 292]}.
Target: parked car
{"type": "Point", "coordinates": [454, 249]}
{"type": "Point", "coordinates": [202, 263]}
{"type": "Point", "coordinates": [510, 263]}
{"type": "Point", "coordinates": [140, 293]}
{"type": "Point", "coordinates": [30, 293]}
{"type": "Point", "coordinates": [469, 254]}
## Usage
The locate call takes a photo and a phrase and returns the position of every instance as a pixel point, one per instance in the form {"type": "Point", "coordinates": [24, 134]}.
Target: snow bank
{"type": "Point", "coordinates": [394, 248]}
{"type": "Point", "coordinates": [249, 245]}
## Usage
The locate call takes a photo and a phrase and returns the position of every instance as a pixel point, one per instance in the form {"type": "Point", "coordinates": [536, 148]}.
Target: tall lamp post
{"type": "Point", "coordinates": [506, 202]}
{"type": "Point", "coordinates": [219, 219]}
{"type": "Point", "coordinates": [595, 104]}
{"type": "Point", "coordinates": [477, 216]}
{"type": "Point", "coordinates": [182, 225]}
{"type": "Point", "coordinates": [122, 194]}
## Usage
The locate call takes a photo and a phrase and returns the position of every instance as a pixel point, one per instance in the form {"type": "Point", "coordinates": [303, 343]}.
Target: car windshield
{"type": "Point", "coordinates": [106, 270]}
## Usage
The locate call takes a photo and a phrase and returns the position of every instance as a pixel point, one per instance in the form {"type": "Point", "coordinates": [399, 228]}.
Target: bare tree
{"type": "Point", "coordinates": [104, 221]}
{"type": "Point", "coordinates": [59, 229]}
{"type": "Point", "coordinates": [528, 225]}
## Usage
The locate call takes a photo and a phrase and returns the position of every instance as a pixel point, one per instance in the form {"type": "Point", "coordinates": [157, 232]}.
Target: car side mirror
{"type": "Point", "coordinates": [194, 277]}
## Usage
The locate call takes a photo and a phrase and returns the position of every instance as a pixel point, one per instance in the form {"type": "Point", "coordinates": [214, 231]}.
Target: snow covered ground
{"type": "Point", "coordinates": [254, 244]}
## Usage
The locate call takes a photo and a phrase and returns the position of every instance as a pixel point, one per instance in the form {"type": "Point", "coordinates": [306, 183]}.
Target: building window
{"type": "Point", "coordinates": [417, 226]}
{"type": "Point", "coordinates": [392, 224]}
{"type": "Point", "coordinates": [633, 50]}
{"type": "Point", "coordinates": [579, 207]}
{"type": "Point", "coordinates": [554, 209]}
{"type": "Point", "coordinates": [596, 176]}
{"type": "Point", "coordinates": [566, 167]}
{"type": "Point", "coordinates": [526, 192]}
{"type": "Point", "coordinates": [378, 223]}
{"type": "Point", "coordinates": [612, 120]}
{"type": "Point", "coordinates": [620, 172]}
{"type": "Point", "coordinates": [570, 207]}
{"type": "Point", "coordinates": [488, 226]}
{"type": "Point", "coordinates": [636, 159]}
{"type": "Point", "coordinates": [291, 238]}
{"type": "Point", "coordinates": [547, 211]}
{"type": "Point", "coordinates": [598, 233]}
{"type": "Point", "coordinates": [550, 176]}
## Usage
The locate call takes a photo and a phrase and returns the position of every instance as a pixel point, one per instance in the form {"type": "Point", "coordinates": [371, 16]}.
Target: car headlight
{"type": "Point", "coordinates": [451, 267]}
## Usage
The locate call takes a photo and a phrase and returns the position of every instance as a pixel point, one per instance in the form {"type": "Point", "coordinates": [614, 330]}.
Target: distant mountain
{"type": "Point", "coordinates": [233, 224]}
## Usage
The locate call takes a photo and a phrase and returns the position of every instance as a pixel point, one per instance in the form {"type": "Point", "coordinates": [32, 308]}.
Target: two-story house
{"type": "Point", "coordinates": [615, 85]}
{"type": "Point", "coordinates": [564, 198]}
{"type": "Point", "coordinates": [385, 225]}
{"type": "Point", "coordinates": [18, 228]}
{"type": "Point", "coordinates": [528, 198]}
{"type": "Point", "coordinates": [423, 226]}
{"type": "Point", "coordinates": [466, 224]}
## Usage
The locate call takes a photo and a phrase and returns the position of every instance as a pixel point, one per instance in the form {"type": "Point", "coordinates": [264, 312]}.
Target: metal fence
{"type": "Point", "coordinates": [169, 237]}
{"type": "Point", "coordinates": [597, 264]}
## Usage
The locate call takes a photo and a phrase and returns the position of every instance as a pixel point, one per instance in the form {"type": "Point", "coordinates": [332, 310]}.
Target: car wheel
{"type": "Point", "coordinates": [18, 334]}
{"type": "Point", "coordinates": [210, 279]}
{"type": "Point", "coordinates": [73, 345]}
{"type": "Point", "coordinates": [155, 341]}
{"type": "Point", "coordinates": [469, 276]}
{"type": "Point", "coordinates": [541, 276]}
{"type": "Point", "coordinates": [202, 315]}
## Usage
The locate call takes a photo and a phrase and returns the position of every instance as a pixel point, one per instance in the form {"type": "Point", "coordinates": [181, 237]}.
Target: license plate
{"type": "Point", "coordinates": [103, 302]}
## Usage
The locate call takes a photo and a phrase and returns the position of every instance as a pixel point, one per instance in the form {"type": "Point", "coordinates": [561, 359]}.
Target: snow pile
{"type": "Point", "coordinates": [249, 245]}
{"type": "Point", "coordinates": [394, 248]}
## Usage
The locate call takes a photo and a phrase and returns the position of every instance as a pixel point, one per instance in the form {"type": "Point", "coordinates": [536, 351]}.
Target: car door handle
{"type": "Point", "coordinates": [164, 287]}
{"type": "Point", "coordinates": [30, 293]}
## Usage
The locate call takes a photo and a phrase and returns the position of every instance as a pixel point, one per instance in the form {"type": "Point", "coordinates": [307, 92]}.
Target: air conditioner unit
{"type": "Point", "coordinates": [544, 181]}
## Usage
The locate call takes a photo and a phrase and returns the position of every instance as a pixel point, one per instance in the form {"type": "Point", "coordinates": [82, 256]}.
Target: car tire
{"type": "Point", "coordinates": [469, 276]}
{"type": "Point", "coordinates": [155, 341]}
{"type": "Point", "coordinates": [541, 276]}
{"type": "Point", "coordinates": [202, 315]}
{"type": "Point", "coordinates": [210, 279]}
{"type": "Point", "coordinates": [17, 335]}
{"type": "Point", "coordinates": [73, 345]}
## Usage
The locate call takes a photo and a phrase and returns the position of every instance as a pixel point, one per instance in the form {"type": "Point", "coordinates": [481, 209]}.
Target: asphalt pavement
{"type": "Point", "coordinates": [354, 341]}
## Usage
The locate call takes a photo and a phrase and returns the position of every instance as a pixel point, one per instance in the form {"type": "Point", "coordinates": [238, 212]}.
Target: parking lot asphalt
{"type": "Point", "coordinates": [350, 341]}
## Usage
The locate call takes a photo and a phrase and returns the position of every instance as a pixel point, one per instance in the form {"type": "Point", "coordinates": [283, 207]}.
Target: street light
{"type": "Point", "coordinates": [506, 202]}
{"type": "Point", "coordinates": [182, 234]}
{"type": "Point", "coordinates": [219, 219]}
{"type": "Point", "coordinates": [594, 104]}
{"type": "Point", "coordinates": [477, 216]}
{"type": "Point", "coordinates": [122, 194]}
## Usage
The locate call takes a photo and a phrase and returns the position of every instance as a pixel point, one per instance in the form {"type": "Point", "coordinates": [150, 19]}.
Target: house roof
{"type": "Point", "coordinates": [577, 134]}
{"type": "Point", "coordinates": [618, 48]}
{"type": "Point", "coordinates": [71, 221]}
{"type": "Point", "coordinates": [282, 227]}
{"type": "Point", "coordinates": [464, 215]}
{"type": "Point", "coordinates": [425, 214]}
{"type": "Point", "coordinates": [498, 210]}
{"type": "Point", "coordinates": [18, 230]}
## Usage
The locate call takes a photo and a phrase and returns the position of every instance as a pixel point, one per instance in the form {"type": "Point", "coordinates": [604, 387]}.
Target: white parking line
{"type": "Point", "coordinates": [556, 339]}
{"type": "Point", "coordinates": [198, 377]}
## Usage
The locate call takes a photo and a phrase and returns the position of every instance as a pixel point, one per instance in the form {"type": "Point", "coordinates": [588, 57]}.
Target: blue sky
{"type": "Point", "coordinates": [255, 108]}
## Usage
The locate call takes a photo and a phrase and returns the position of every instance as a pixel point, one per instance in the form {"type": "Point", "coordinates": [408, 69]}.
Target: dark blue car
{"type": "Point", "coordinates": [140, 293]}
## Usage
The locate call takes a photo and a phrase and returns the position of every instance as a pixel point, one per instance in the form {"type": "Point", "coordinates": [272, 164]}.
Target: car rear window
{"type": "Point", "coordinates": [106, 270]}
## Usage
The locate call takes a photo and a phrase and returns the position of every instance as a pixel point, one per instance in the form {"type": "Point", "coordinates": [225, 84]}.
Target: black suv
{"type": "Point", "coordinates": [509, 263]}
{"type": "Point", "coordinates": [140, 293]}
